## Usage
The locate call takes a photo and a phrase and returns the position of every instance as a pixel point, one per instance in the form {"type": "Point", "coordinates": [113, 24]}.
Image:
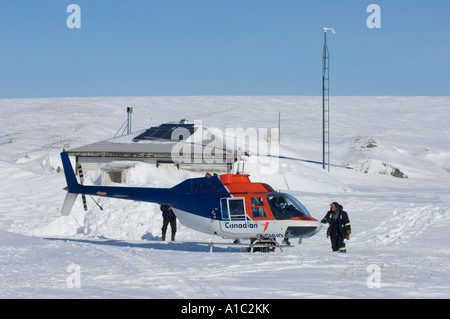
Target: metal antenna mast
{"type": "Point", "coordinates": [326, 102]}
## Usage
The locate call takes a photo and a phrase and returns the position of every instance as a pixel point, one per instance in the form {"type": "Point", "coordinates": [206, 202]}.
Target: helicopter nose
{"type": "Point", "coordinates": [305, 231]}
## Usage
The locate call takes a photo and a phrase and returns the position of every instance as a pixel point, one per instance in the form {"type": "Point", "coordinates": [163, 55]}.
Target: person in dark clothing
{"type": "Point", "coordinates": [339, 227]}
{"type": "Point", "coordinates": [168, 217]}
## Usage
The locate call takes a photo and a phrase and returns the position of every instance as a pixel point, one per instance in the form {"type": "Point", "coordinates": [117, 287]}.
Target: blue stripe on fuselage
{"type": "Point", "coordinates": [199, 196]}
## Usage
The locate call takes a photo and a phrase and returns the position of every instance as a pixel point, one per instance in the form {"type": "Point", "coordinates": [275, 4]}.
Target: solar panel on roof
{"type": "Point", "coordinates": [166, 131]}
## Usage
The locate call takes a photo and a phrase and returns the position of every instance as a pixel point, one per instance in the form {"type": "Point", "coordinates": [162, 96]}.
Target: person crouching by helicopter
{"type": "Point", "coordinates": [168, 217]}
{"type": "Point", "coordinates": [339, 227]}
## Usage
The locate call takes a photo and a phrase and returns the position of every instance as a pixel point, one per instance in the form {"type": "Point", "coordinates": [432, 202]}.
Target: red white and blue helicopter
{"type": "Point", "coordinates": [229, 206]}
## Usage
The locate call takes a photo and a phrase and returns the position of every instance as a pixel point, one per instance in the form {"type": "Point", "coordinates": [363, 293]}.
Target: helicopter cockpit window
{"type": "Point", "coordinates": [258, 207]}
{"type": "Point", "coordinates": [284, 206]}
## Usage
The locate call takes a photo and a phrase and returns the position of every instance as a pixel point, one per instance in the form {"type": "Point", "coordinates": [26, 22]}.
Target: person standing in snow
{"type": "Point", "coordinates": [339, 227]}
{"type": "Point", "coordinates": [168, 217]}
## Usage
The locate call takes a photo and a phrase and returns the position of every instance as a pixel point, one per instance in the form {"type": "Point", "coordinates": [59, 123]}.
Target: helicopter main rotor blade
{"type": "Point", "coordinates": [307, 161]}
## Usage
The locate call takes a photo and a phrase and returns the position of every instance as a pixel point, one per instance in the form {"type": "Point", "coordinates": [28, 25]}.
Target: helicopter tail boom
{"type": "Point", "coordinates": [153, 195]}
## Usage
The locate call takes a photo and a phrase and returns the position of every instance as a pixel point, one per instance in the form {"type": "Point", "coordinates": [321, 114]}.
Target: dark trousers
{"type": "Point", "coordinates": [173, 225]}
{"type": "Point", "coordinates": [337, 242]}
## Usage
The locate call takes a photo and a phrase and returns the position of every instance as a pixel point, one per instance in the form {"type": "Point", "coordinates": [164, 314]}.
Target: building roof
{"type": "Point", "coordinates": [167, 132]}
{"type": "Point", "coordinates": [169, 142]}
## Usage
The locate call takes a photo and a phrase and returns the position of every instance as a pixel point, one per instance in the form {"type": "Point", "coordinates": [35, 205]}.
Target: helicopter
{"type": "Point", "coordinates": [229, 206]}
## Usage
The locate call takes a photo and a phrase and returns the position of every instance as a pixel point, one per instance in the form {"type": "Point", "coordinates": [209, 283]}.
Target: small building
{"type": "Point", "coordinates": [187, 145]}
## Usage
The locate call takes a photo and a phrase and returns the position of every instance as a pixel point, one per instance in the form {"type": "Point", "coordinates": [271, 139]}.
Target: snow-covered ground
{"type": "Point", "coordinates": [399, 247]}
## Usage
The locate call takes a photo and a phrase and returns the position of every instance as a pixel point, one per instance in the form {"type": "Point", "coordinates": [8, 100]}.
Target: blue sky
{"type": "Point", "coordinates": [222, 47]}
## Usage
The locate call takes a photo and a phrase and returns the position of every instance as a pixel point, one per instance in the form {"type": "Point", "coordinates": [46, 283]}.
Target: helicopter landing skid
{"type": "Point", "coordinates": [256, 244]}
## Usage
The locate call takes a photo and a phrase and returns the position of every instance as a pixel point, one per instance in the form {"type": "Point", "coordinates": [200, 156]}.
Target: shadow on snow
{"type": "Point", "coordinates": [151, 244]}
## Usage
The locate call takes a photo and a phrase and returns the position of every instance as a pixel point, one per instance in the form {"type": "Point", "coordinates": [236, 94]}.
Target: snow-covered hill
{"type": "Point", "coordinates": [397, 198]}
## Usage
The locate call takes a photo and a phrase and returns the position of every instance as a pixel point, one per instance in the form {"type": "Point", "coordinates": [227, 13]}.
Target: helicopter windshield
{"type": "Point", "coordinates": [285, 206]}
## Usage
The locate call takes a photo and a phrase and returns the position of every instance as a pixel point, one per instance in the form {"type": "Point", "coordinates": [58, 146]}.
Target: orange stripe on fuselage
{"type": "Point", "coordinates": [240, 185]}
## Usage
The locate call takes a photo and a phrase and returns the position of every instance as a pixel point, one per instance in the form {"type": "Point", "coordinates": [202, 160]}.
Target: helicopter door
{"type": "Point", "coordinates": [233, 209]}
{"type": "Point", "coordinates": [235, 222]}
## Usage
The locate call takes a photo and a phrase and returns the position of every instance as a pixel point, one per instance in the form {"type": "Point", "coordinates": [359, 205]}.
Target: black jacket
{"type": "Point", "coordinates": [343, 222]}
{"type": "Point", "coordinates": [167, 211]}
